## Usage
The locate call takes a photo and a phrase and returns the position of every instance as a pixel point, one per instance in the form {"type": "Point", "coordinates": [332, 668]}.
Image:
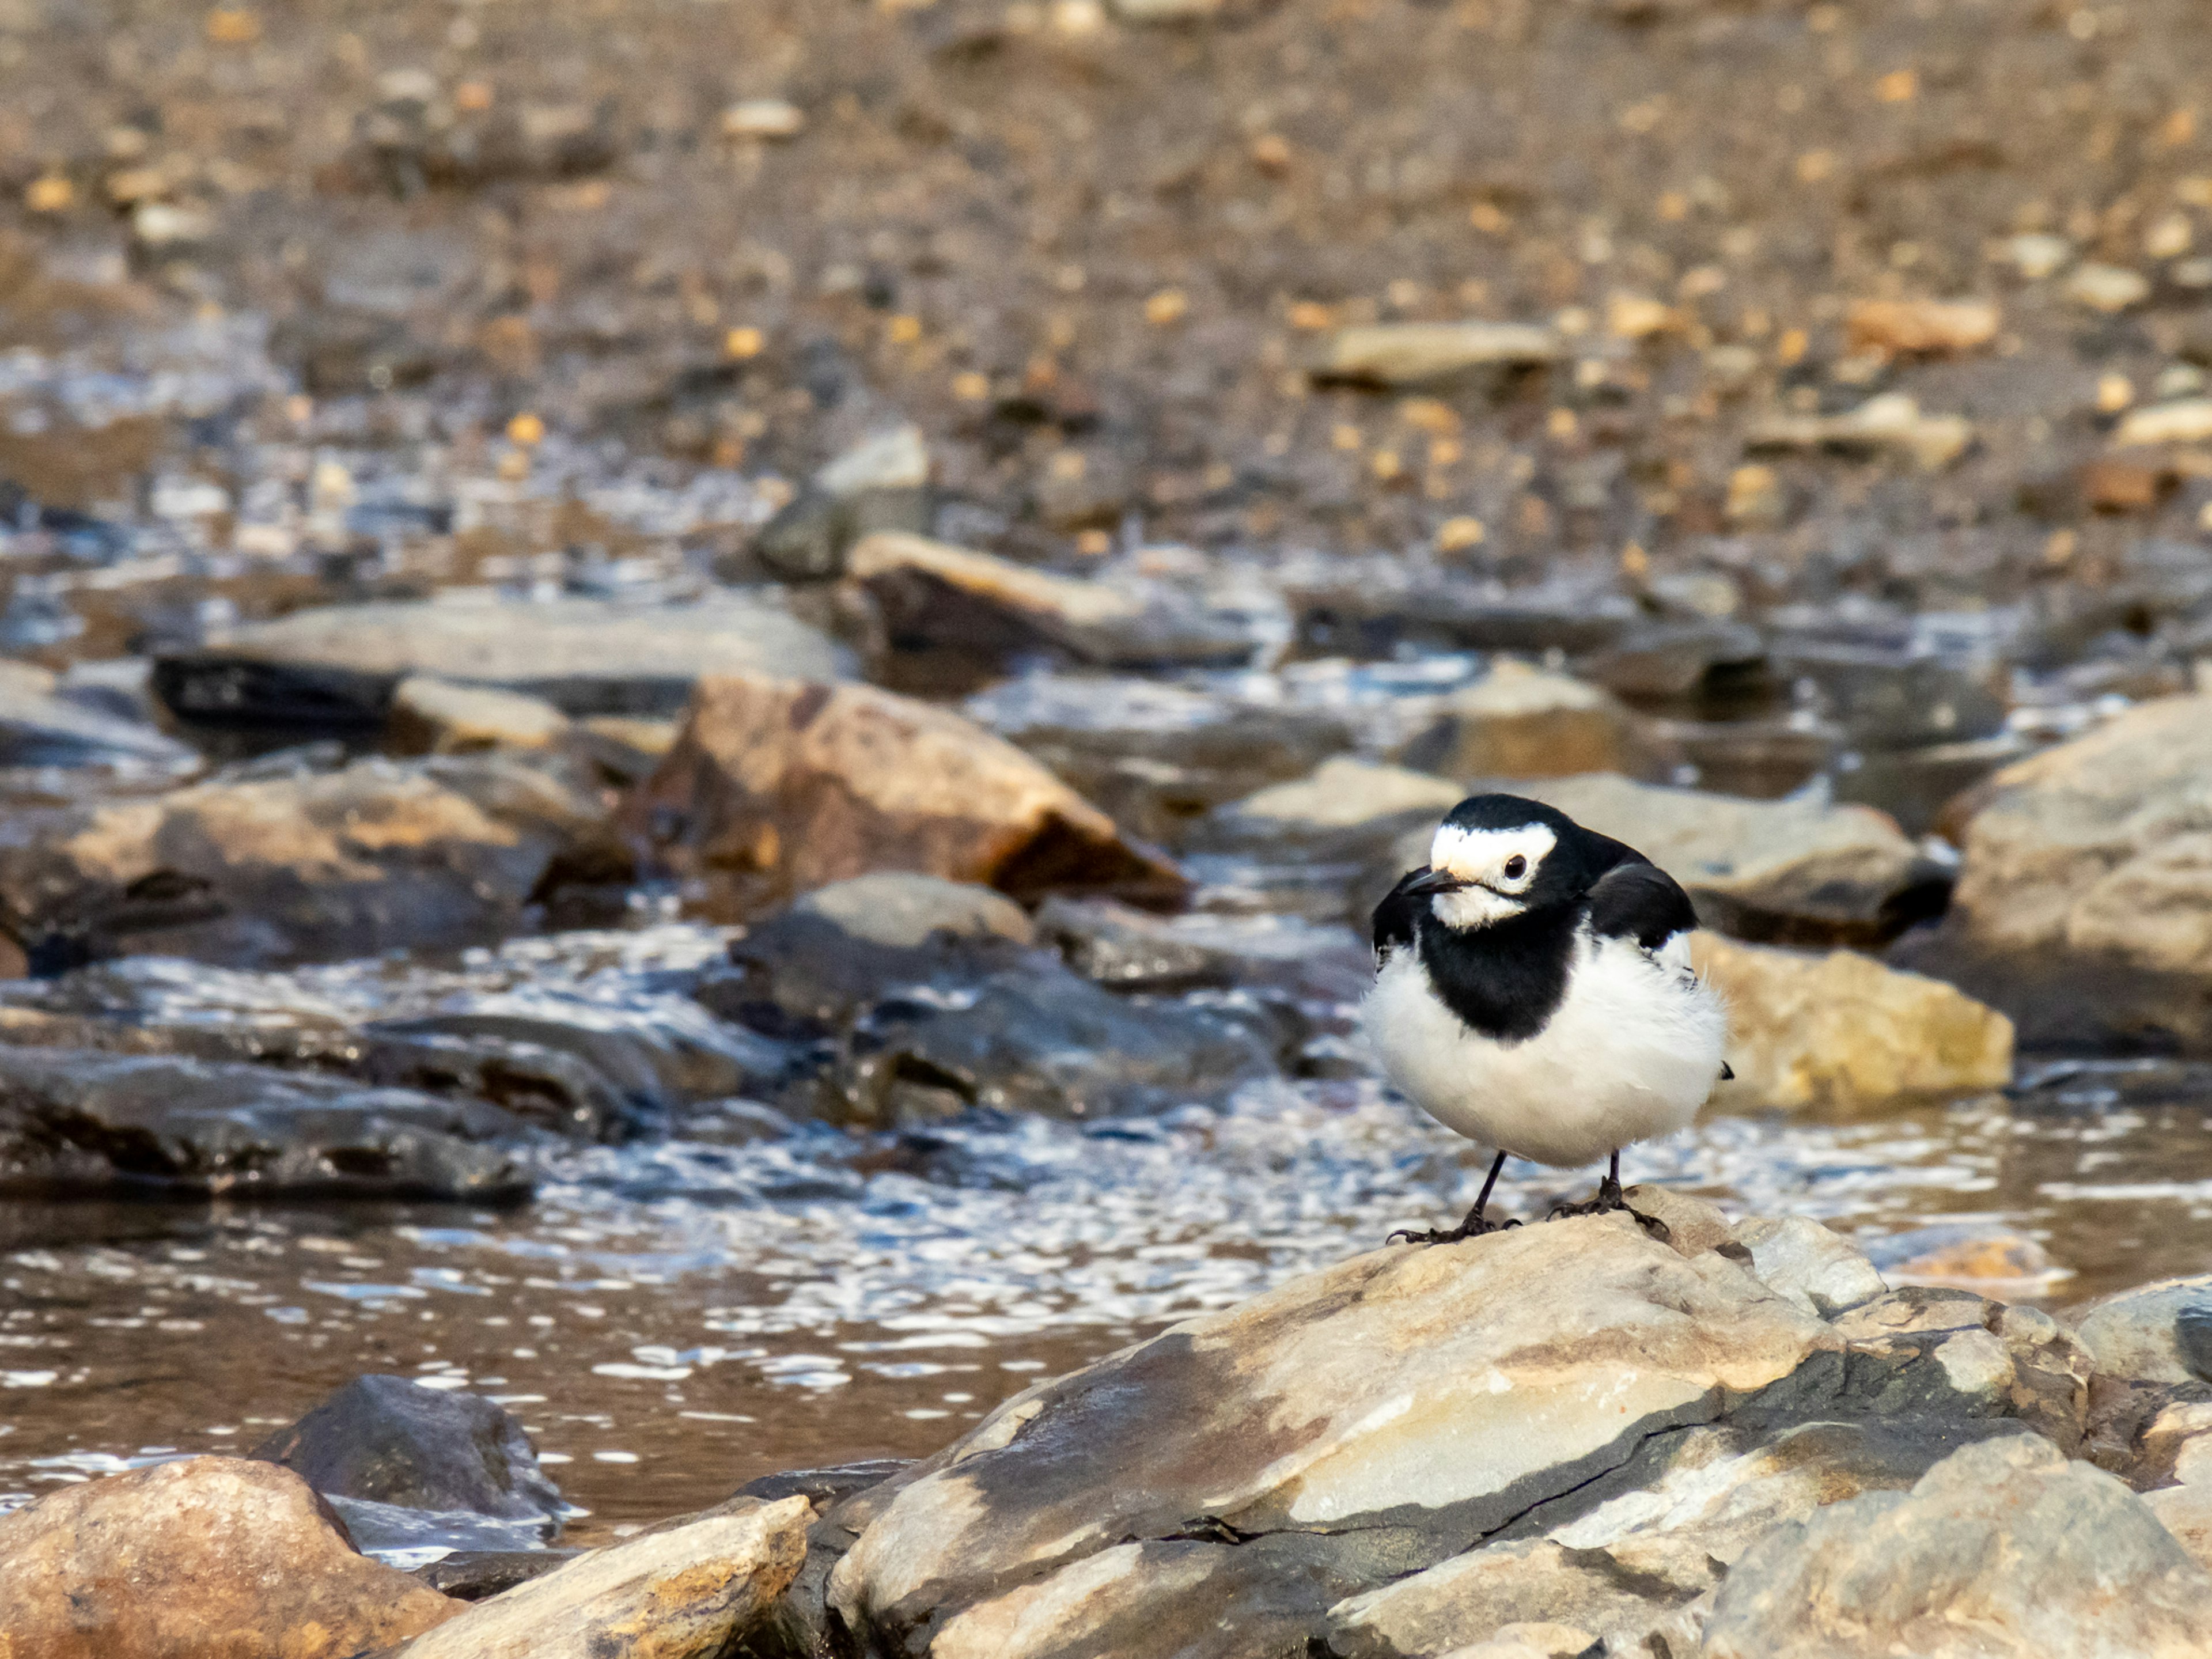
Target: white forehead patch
{"type": "Point", "coordinates": [1480, 855]}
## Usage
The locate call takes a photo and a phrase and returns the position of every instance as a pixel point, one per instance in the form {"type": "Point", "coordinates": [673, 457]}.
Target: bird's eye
{"type": "Point", "coordinates": [1515, 868]}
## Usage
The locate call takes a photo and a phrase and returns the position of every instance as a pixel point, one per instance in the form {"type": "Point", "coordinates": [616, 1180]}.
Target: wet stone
{"type": "Point", "coordinates": [73, 1123]}
{"type": "Point", "coordinates": [387, 1441]}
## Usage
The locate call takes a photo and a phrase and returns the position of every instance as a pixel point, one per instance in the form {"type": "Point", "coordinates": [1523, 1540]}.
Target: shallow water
{"type": "Point", "coordinates": [675, 1319]}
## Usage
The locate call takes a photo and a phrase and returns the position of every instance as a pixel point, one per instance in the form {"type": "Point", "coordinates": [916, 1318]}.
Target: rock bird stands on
{"type": "Point", "coordinates": [1534, 991]}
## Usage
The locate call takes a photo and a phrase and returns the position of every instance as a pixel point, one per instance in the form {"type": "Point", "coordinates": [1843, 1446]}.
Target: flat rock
{"type": "Point", "coordinates": [1891, 423]}
{"type": "Point", "coordinates": [431, 716]}
{"type": "Point", "coordinates": [1807, 1030]}
{"type": "Point", "coordinates": [340, 666]}
{"type": "Point", "coordinates": [1922, 326]}
{"type": "Point", "coordinates": [388, 1441]}
{"type": "Point", "coordinates": [185, 1559]}
{"type": "Point", "coordinates": [80, 1122]}
{"type": "Point", "coordinates": [41, 728]}
{"type": "Point", "coordinates": [1344, 793]}
{"type": "Point", "coordinates": [1414, 354]}
{"type": "Point", "coordinates": [1779, 872]}
{"type": "Point", "coordinates": [299, 864]}
{"type": "Point", "coordinates": [778, 787]}
{"type": "Point", "coordinates": [2084, 902]}
{"type": "Point", "coordinates": [1518, 721]}
{"type": "Point", "coordinates": [2156, 1333]}
{"type": "Point", "coordinates": [932, 597]}
{"type": "Point", "coordinates": [1154, 755]}
{"type": "Point", "coordinates": [682, 1593]}
{"type": "Point", "coordinates": [2004, 1548]}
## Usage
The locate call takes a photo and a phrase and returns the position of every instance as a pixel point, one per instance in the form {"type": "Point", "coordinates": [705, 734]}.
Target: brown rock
{"type": "Point", "coordinates": [681, 1592]}
{"type": "Point", "coordinates": [777, 787]}
{"type": "Point", "coordinates": [1921, 326]}
{"type": "Point", "coordinates": [1805, 1028]}
{"type": "Point", "coordinates": [1891, 422]}
{"type": "Point", "coordinates": [432, 716]}
{"type": "Point", "coordinates": [208, 1556]}
{"type": "Point", "coordinates": [1413, 353]}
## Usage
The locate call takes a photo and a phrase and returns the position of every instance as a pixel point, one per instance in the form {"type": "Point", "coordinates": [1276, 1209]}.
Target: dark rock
{"type": "Point", "coordinates": [810, 536]}
{"type": "Point", "coordinates": [73, 1121]}
{"type": "Point", "coordinates": [388, 1441]}
{"type": "Point", "coordinates": [1718, 665]}
{"type": "Point", "coordinates": [825, 1486]}
{"type": "Point", "coordinates": [1889, 700]}
{"type": "Point", "coordinates": [479, 1575]}
{"type": "Point", "coordinates": [1375, 617]}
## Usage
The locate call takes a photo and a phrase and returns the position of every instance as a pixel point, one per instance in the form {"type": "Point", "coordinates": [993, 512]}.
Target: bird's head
{"type": "Point", "coordinates": [1497, 857]}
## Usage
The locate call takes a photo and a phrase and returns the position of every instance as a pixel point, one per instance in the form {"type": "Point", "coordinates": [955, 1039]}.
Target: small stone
{"type": "Point", "coordinates": [1344, 791]}
{"type": "Point", "coordinates": [1638, 317]}
{"type": "Point", "coordinates": [1922, 326]}
{"type": "Point", "coordinates": [1806, 1030]}
{"type": "Point", "coordinates": [201, 1555]}
{"type": "Point", "coordinates": [432, 716]}
{"type": "Point", "coordinates": [2036, 255]}
{"type": "Point", "coordinates": [1990, 1260]}
{"type": "Point", "coordinates": [1756, 499]}
{"type": "Point", "coordinates": [167, 224]}
{"type": "Point", "coordinates": [1520, 721]}
{"type": "Point", "coordinates": [2184, 421]}
{"type": "Point", "coordinates": [894, 459]}
{"type": "Point", "coordinates": [763, 117]}
{"type": "Point", "coordinates": [1166, 11]}
{"type": "Point", "coordinates": [1413, 353]}
{"type": "Point", "coordinates": [2156, 1333]}
{"type": "Point", "coordinates": [52, 193]}
{"type": "Point", "coordinates": [2108, 289]}
{"type": "Point", "coordinates": [1891, 422]}
{"type": "Point", "coordinates": [1820, 1271]}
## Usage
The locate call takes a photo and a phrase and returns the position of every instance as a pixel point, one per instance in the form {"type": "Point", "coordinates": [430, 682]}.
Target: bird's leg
{"type": "Point", "coordinates": [1474, 1227]}
{"type": "Point", "coordinates": [1609, 1198]}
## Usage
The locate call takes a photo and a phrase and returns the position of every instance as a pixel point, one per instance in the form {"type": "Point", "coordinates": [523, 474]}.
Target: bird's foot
{"type": "Point", "coordinates": [1473, 1227]}
{"type": "Point", "coordinates": [1608, 1201]}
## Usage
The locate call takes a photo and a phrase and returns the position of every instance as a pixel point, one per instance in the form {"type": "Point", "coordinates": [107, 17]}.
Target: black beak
{"type": "Point", "coordinates": [1422, 882]}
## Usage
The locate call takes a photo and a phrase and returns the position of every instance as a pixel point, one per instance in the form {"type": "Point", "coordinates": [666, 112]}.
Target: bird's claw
{"type": "Point", "coordinates": [1452, 1236]}
{"type": "Point", "coordinates": [1610, 1200]}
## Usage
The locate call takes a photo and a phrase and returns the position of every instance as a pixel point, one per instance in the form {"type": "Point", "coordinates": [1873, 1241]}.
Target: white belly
{"type": "Point", "coordinates": [1631, 1053]}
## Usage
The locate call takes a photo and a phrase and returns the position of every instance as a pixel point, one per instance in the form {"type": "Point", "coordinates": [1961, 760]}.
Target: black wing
{"type": "Point", "coordinates": [1637, 900]}
{"type": "Point", "coordinates": [1397, 916]}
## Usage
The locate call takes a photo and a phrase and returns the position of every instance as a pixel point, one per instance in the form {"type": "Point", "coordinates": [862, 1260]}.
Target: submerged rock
{"type": "Point", "coordinates": [776, 786]}
{"type": "Point", "coordinates": [73, 1121]}
{"type": "Point", "coordinates": [300, 866]}
{"type": "Point", "coordinates": [2002, 1549]}
{"type": "Point", "coordinates": [187, 1558]}
{"type": "Point", "coordinates": [340, 666]}
{"type": "Point", "coordinates": [387, 1440]}
{"type": "Point", "coordinates": [1416, 1448]}
{"type": "Point", "coordinates": [684, 1592]}
{"type": "Point", "coordinates": [2084, 904]}
{"type": "Point", "coordinates": [1804, 1030]}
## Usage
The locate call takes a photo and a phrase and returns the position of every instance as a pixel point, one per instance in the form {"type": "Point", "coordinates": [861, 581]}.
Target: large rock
{"type": "Point", "coordinates": [1807, 1030]}
{"type": "Point", "coordinates": [2084, 904]}
{"type": "Point", "coordinates": [1522, 722]}
{"type": "Point", "coordinates": [387, 1440]}
{"type": "Point", "coordinates": [934, 598]}
{"type": "Point", "coordinates": [338, 665]}
{"type": "Point", "coordinates": [2157, 1332]}
{"type": "Point", "coordinates": [2003, 1549]}
{"type": "Point", "coordinates": [684, 1592]}
{"type": "Point", "coordinates": [776, 786]}
{"type": "Point", "coordinates": [1573, 1408]}
{"type": "Point", "coordinates": [184, 1560]}
{"type": "Point", "coordinates": [300, 866]}
{"type": "Point", "coordinates": [1791, 872]}
{"type": "Point", "coordinates": [79, 1123]}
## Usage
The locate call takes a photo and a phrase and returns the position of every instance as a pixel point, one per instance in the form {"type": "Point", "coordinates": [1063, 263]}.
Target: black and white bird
{"type": "Point", "coordinates": [1534, 991]}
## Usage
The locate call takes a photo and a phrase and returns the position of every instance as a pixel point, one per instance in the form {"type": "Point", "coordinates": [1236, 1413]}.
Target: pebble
{"type": "Point", "coordinates": [2185, 421]}
{"type": "Point", "coordinates": [1411, 353]}
{"type": "Point", "coordinates": [1922, 325]}
{"type": "Point", "coordinates": [763, 117]}
{"type": "Point", "coordinates": [2108, 289]}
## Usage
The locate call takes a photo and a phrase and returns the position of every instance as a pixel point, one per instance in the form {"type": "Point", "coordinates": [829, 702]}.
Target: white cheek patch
{"type": "Point", "coordinates": [1481, 854]}
{"type": "Point", "coordinates": [1473, 906]}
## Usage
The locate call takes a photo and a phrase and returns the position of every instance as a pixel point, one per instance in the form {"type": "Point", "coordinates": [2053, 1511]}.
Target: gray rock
{"type": "Point", "coordinates": [894, 908]}
{"type": "Point", "coordinates": [431, 716]}
{"type": "Point", "coordinates": [39, 728]}
{"type": "Point", "coordinates": [388, 1442]}
{"type": "Point", "coordinates": [1378, 611]}
{"type": "Point", "coordinates": [1339, 794]}
{"type": "Point", "coordinates": [1156, 755]}
{"type": "Point", "coordinates": [2004, 1548]}
{"type": "Point", "coordinates": [78, 1122]}
{"type": "Point", "coordinates": [880, 485]}
{"type": "Point", "coordinates": [1820, 1271]}
{"type": "Point", "coordinates": [300, 865]}
{"type": "Point", "coordinates": [338, 665]}
{"type": "Point", "coordinates": [2157, 1332]}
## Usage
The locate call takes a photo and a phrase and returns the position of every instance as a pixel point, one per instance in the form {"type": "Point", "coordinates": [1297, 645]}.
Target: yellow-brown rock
{"type": "Point", "coordinates": [1520, 721]}
{"type": "Point", "coordinates": [206, 1557]}
{"type": "Point", "coordinates": [1807, 1028]}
